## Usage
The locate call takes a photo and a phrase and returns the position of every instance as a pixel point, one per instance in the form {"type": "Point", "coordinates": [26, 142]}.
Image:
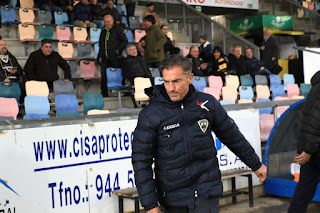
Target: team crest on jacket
{"type": "Point", "coordinates": [203, 124]}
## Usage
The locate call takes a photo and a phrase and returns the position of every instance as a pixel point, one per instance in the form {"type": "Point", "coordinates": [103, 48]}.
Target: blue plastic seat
{"type": "Point", "coordinates": [275, 80]}
{"type": "Point", "coordinates": [305, 88]}
{"type": "Point", "coordinates": [288, 79]}
{"type": "Point", "coordinates": [261, 80]}
{"type": "Point", "coordinates": [45, 32]}
{"type": "Point", "coordinates": [277, 90]}
{"type": "Point", "coordinates": [129, 35]}
{"type": "Point", "coordinates": [125, 20]}
{"type": "Point", "coordinates": [95, 34]}
{"type": "Point", "coordinates": [96, 50]}
{"type": "Point", "coordinates": [44, 17]}
{"type": "Point", "coordinates": [84, 50]}
{"type": "Point", "coordinates": [67, 114]}
{"type": "Point", "coordinates": [119, 8]}
{"type": "Point", "coordinates": [36, 104]}
{"type": "Point", "coordinates": [266, 110]}
{"type": "Point", "coordinates": [246, 92]}
{"type": "Point", "coordinates": [199, 83]}
{"type": "Point", "coordinates": [10, 90]}
{"type": "Point", "coordinates": [246, 81]}
{"type": "Point", "coordinates": [8, 16]}
{"type": "Point", "coordinates": [222, 102]}
{"type": "Point", "coordinates": [63, 87]}
{"type": "Point", "coordinates": [115, 78]}
{"type": "Point", "coordinates": [158, 80]}
{"type": "Point", "coordinates": [66, 103]}
{"type": "Point", "coordinates": [35, 116]}
{"type": "Point", "coordinates": [61, 18]}
{"type": "Point", "coordinates": [92, 101]}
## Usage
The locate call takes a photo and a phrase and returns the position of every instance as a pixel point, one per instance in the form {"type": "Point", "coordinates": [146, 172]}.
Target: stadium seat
{"type": "Point", "coordinates": [155, 72]}
{"type": "Point", "coordinates": [45, 32]}
{"type": "Point", "coordinates": [65, 50]}
{"type": "Point", "coordinates": [292, 90]}
{"type": "Point", "coordinates": [199, 83]}
{"type": "Point", "coordinates": [297, 97]}
{"type": "Point", "coordinates": [266, 122]}
{"type": "Point", "coordinates": [246, 92]}
{"type": "Point", "coordinates": [245, 101]}
{"type": "Point", "coordinates": [139, 34]}
{"type": "Point", "coordinates": [96, 50]}
{"type": "Point", "coordinates": [63, 87]}
{"type": "Point", "coordinates": [10, 90]}
{"type": "Point", "coordinates": [67, 114]}
{"type": "Point", "coordinates": [9, 107]}
{"type": "Point", "coordinates": [223, 102]}
{"type": "Point", "coordinates": [288, 79]}
{"type": "Point", "coordinates": [44, 17]}
{"type": "Point", "coordinates": [262, 91]}
{"type": "Point", "coordinates": [36, 104]}
{"type": "Point", "coordinates": [35, 116]}
{"type": "Point", "coordinates": [170, 35]}
{"type": "Point", "coordinates": [26, 33]}
{"type": "Point", "coordinates": [229, 94]}
{"type": "Point", "coordinates": [74, 69]}
{"type": "Point", "coordinates": [92, 101]}
{"type": "Point", "coordinates": [158, 80]}
{"type": "Point", "coordinates": [185, 50]}
{"type": "Point", "coordinates": [84, 50]}
{"type": "Point", "coordinates": [66, 103]}
{"type": "Point", "coordinates": [215, 82]}
{"type": "Point", "coordinates": [134, 22]}
{"type": "Point", "coordinates": [266, 110]}
{"type": "Point", "coordinates": [95, 34]}
{"type": "Point", "coordinates": [305, 88]}
{"type": "Point", "coordinates": [139, 85]}
{"type": "Point", "coordinates": [8, 16]}
{"type": "Point", "coordinates": [212, 91]}
{"type": "Point", "coordinates": [26, 16]}
{"type": "Point", "coordinates": [118, 6]}
{"type": "Point", "coordinates": [232, 81]}
{"type": "Point", "coordinates": [98, 112]}
{"type": "Point", "coordinates": [277, 90]}
{"type": "Point", "coordinates": [129, 35]}
{"type": "Point", "coordinates": [61, 18]}
{"type": "Point", "coordinates": [26, 3]}
{"type": "Point", "coordinates": [63, 33]}
{"type": "Point", "coordinates": [37, 88]}
{"type": "Point", "coordinates": [80, 34]}
{"type": "Point", "coordinates": [246, 81]}
{"type": "Point", "coordinates": [87, 70]}
{"type": "Point", "coordinates": [275, 80]}
{"type": "Point", "coordinates": [261, 80]}
{"type": "Point", "coordinates": [4, 118]}
{"type": "Point", "coordinates": [281, 109]}
{"type": "Point", "coordinates": [125, 21]}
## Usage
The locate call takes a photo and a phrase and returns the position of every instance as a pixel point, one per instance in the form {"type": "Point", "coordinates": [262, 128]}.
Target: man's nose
{"type": "Point", "coordinates": [171, 86]}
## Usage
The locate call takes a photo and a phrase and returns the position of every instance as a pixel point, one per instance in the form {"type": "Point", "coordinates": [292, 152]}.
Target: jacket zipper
{"type": "Point", "coordinates": [189, 147]}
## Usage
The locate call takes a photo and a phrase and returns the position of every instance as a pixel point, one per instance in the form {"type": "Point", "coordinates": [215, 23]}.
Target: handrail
{"type": "Point", "coordinates": [305, 49]}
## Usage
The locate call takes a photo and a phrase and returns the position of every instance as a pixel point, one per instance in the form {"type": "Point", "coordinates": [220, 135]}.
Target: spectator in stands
{"type": "Point", "coordinates": [4, 2]}
{"type": "Point", "coordinates": [82, 15]}
{"type": "Point", "coordinates": [98, 13]}
{"type": "Point", "coordinates": [112, 42]}
{"type": "Point", "coordinates": [65, 5]}
{"type": "Point", "coordinates": [149, 11]}
{"type": "Point", "coordinates": [308, 149]}
{"type": "Point", "coordinates": [42, 65]}
{"type": "Point", "coordinates": [154, 41]}
{"type": "Point", "coordinates": [238, 64]}
{"type": "Point", "coordinates": [168, 47]}
{"type": "Point", "coordinates": [269, 50]}
{"type": "Point", "coordinates": [134, 65]}
{"type": "Point", "coordinates": [254, 65]}
{"type": "Point", "coordinates": [218, 63]}
{"type": "Point", "coordinates": [111, 10]}
{"type": "Point", "coordinates": [205, 48]}
{"type": "Point", "coordinates": [199, 68]}
{"type": "Point", "coordinates": [49, 5]}
{"type": "Point", "coordinates": [130, 7]}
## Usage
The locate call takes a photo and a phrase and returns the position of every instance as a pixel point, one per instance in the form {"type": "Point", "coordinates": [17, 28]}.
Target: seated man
{"type": "Point", "coordinates": [49, 5]}
{"type": "Point", "coordinates": [98, 13]}
{"type": "Point", "coordinates": [134, 65]}
{"type": "Point", "coordinates": [198, 67]}
{"type": "Point", "coordinates": [111, 10]}
{"type": "Point", "coordinates": [254, 65]}
{"type": "Point", "coordinates": [238, 62]}
{"type": "Point", "coordinates": [42, 65]}
{"type": "Point", "coordinates": [82, 15]}
{"type": "Point", "coordinates": [169, 48]}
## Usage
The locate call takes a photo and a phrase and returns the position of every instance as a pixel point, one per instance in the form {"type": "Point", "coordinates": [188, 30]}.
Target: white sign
{"type": "Point", "coordinates": [311, 63]}
{"type": "Point", "coordinates": [238, 4]}
{"type": "Point", "coordinates": [75, 168]}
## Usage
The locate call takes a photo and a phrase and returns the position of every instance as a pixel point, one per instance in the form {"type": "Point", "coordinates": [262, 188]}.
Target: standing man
{"type": "Point", "coordinates": [112, 42]}
{"type": "Point", "coordinates": [308, 148]}
{"type": "Point", "coordinates": [269, 50]}
{"type": "Point", "coordinates": [155, 40]}
{"type": "Point", "coordinates": [42, 65]}
{"type": "Point", "coordinates": [174, 131]}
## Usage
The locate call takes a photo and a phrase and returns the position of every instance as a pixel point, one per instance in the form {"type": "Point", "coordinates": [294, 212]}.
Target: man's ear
{"type": "Point", "coordinates": [190, 78]}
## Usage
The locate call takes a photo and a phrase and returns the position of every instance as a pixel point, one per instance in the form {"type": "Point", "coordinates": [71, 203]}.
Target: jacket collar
{"type": "Point", "coordinates": [315, 78]}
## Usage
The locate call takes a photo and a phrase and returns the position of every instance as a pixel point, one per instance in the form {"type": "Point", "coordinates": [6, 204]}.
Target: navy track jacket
{"type": "Point", "coordinates": [177, 137]}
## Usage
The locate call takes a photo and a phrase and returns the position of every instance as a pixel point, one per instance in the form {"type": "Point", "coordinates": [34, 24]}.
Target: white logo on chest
{"type": "Point", "coordinates": [172, 126]}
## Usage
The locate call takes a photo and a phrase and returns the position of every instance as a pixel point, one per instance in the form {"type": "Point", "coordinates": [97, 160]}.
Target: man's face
{"type": "Point", "coordinates": [248, 53]}
{"type": "Point", "coordinates": [164, 29]}
{"type": "Point", "coordinates": [132, 50]}
{"type": "Point", "coordinates": [84, 1]}
{"type": "Point", "coordinates": [237, 52]}
{"type": "Point", "coordinates": [46, 49]}
{"type": "Point", "coordinates": [151, 8]}
{"type": "Point", "coordinates": [146, 24]}
{"type": "Point", "coordinates": [176, 83]}
{"type": "Point", "coordinates": [3, 47]}
{"type": "Point", "coordinates": [201, 40]}
{"type": "Point", "coordinates": [93, 2]}
{"type": "Point", "coordinates": [194, 52]}
{"type": "Point", "coordinates": [110, 4]}
{"type": "Point", "coordinates": [108, 22]}
{"type": "Point", "coordinates": [267, 33]}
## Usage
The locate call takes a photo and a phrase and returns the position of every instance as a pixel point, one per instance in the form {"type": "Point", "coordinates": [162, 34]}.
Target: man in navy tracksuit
{"type": "Point", "coordinates": [174, 131]}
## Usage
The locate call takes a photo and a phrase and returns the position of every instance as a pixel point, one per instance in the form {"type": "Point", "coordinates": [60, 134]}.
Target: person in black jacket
{"type": "Point", "coordinates": [98, 13]}
{"type": "Point", "coordinates": [111, 10]}
{"type": "Point", "coordinates": [308, 148]}
{"type": "Point", "coordinates": [238, 61]}
{"type": "Point", "coordinates": [254, 65]}
{"type": "Point", "coordinates": [199, 68]}
{"type": "Point", "coordinates": [269, 51]}
{"type": "Point", "coordinates": [49, 5]}
{"type": "Point", "coordinates": [42, 65]}
{"type": "Point", "coordinates": [134, 65]}
{"type": "Point", "coordinates": [174, 132]}
{"type": "Point", "coordinates": [82, 15]}
{"type": "Point", "coordinates": [65, 5]}
{"type": "Point", "coordinates": [168, 47]}
{"type": "Point", "coordinates": [112, 42]}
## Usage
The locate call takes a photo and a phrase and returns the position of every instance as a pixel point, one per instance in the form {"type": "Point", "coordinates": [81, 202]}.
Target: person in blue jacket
{"type": "Point", "coordinates": [82, 15]}
{"type": "Point", "coordinates": [174, 132]}
{"type": "Point", "coordinates": [254, 65]}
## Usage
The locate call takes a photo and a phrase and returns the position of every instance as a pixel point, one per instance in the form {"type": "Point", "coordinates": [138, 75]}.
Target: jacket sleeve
{"type": "Point", "coordinates": [228, 133]}
{"type": "Point", "coordinates": [160, 38]}
{"type": "Point", "coordinates": [101, 45]}
{"type": "Point", "coordinates": [143, 152]}
{"type": "Point", "coordinates": [274, 48]}
{"type": "Point", "coordinates": [123, 41]}
{"type": "Point", "coordinates": [64, 66]}
{"type": "Point", "coordinates": [76, 12]}
{"type": "Point", "coordinates": [29, 68]}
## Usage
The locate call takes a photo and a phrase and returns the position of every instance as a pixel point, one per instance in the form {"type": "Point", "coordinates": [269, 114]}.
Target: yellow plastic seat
{"type": "Point", "coordinates": [26, 33]}
{"type": "Point", "coordinates": [80, 34]}
{"type": "Point", "coordinates": [65, 50]}
{"type": "Point", "coordinates": [245, 101]}
{"type": "Point", "coordinates": [139, 85]}
{"type": "Point", "coordinates": [27, 16]}
{"type": "Point", "coordinates": [98, 112]}
{"type": "Point", "coordinates": [262, 92]}
{"type": "Point", "coordinates": [232, 81]}
{"type": "Point", "coordinates": [37, 88]}
{"type": "Point", "coordinates": [229, 93]}
{"type": "Point", "coordinates": [26, 3]}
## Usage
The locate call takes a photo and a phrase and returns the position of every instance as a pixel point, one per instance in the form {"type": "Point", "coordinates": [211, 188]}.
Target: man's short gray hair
{"type": "Point", "coordinates": [193, 46]}
{"type": "Point", "coordinates": [234, 47]}
{"type": "Point", "coordinates": [108, 16]}
{"type": "Point", "coordinates": [177, 61]}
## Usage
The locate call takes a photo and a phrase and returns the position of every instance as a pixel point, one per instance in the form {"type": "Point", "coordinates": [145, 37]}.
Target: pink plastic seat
{"type": "Point", "coordinates": [87, 70]}
{"type": "Point", "coordinates": [186, 50]}
{"type": "Point", "coordinates": [229, 94]}
{"type": "Point", "coordinates": [63, 33]}
{"type": "Point", "coordinates": [212, 91]}
{"type": "Point", "coordinates": [138, 34]}
{"type": "Point", "coordinates": [281, 109]}
{"type": "Point", "coordinates": [266, 122]}
{"type": "Point", "coordinates": [215, 82]}
{"type": "Point", "coordinates": [292, 90]}
{"type": "Point", "coordinates": [9, 107]}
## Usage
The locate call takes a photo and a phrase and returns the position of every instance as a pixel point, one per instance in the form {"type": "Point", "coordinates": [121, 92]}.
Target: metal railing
{"type": "Point", "coordinates": [192, 23]}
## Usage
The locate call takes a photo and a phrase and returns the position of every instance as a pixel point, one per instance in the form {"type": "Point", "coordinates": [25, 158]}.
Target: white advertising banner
{"type": "Point", "coordinates": [238, 4]}
{"type": "Point", "coordinates": [75, 168]}
{"type": "Point", "coordinates": [311, 63]}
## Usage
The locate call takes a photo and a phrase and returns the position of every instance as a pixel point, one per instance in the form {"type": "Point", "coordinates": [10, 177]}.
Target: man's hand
{"type": "Point", "coordinates": [7, 80]}
{"type": "Point", "coordinates": [100, 59]}
{"type": "Point", "coordinates": [261, 173]}
{"type": "Point", "coordinates": [203, 66]}
{"type": "Point", "coordinates": [66, 80]}
{"type": "Point", "coordinates": [262, 47]}
{"type": "Point", "coordinates": [154, 210]}
{"type": "Point", "coordinates": [87, 22]}
{"type": "Point", "coordinates": [302, 159]}
{"type": "Point", "coordinates": [117, 22]}
{"type": "Point", "coordinates": [70, 8]}
{"type": "Point", "coordinates": [273, 58]}
{"type": "Point", "coordinates": [262, 68]}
